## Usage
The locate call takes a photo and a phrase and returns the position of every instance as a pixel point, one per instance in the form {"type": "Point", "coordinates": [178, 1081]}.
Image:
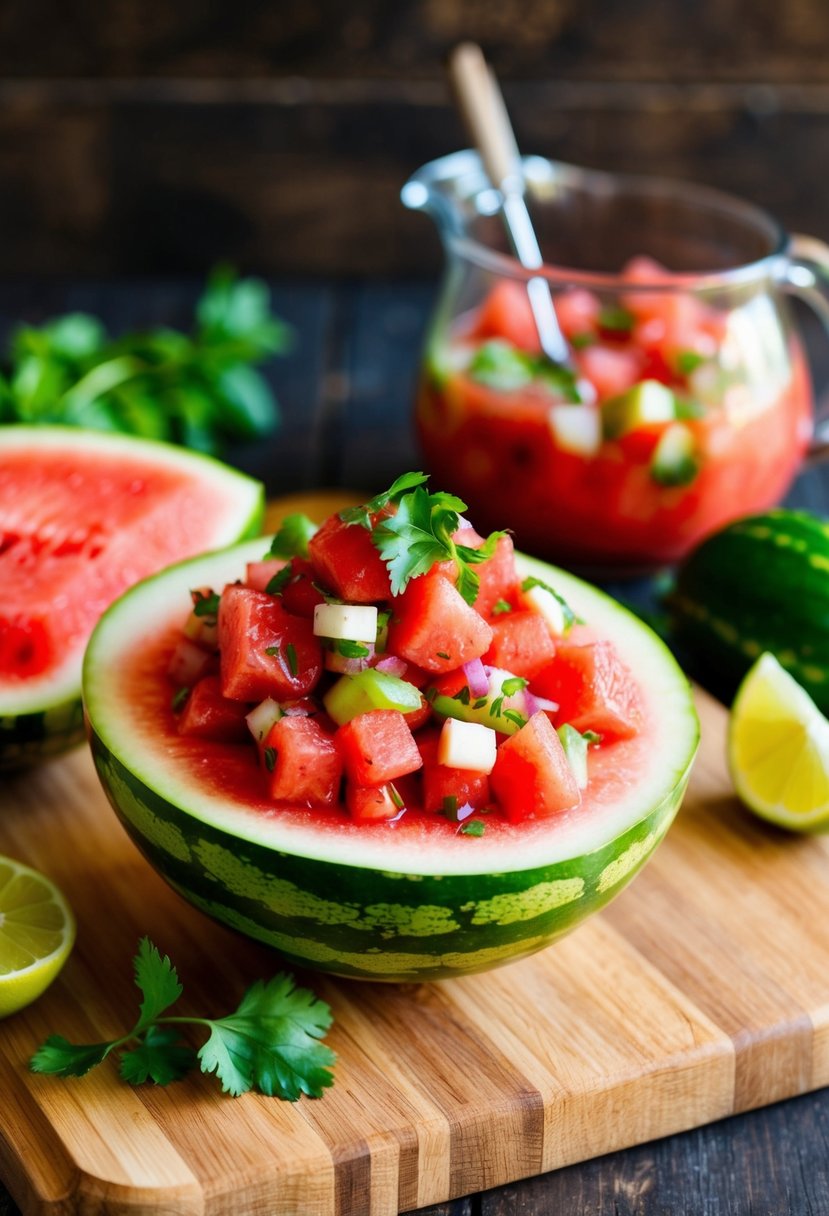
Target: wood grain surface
{"type": "Point", "coordinates": [703, 990]}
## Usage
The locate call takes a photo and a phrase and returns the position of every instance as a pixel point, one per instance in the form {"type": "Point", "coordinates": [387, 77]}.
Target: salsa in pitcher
{"type": "Point", "coordinates": [680, 411]}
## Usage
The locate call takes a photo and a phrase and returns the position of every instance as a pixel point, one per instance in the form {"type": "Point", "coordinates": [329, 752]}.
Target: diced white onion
{"type": "Point", "coordinates": [467, 745]}
{"type": "Point", "coordinates": [350, 622]}
{"type": "Point", "coordinates": [576, 428]}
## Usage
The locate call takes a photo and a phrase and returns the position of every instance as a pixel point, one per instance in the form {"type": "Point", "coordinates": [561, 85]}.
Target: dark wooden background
{"type": "Point", "coordinates": [141, 137]}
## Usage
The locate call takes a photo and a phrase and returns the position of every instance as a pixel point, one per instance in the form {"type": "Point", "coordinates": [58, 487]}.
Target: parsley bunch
{"type": "Point", "coordinates": [200, 389]}
{"type": "Point", "coordinates": [420, 533]}
{"type": "Point", "coordinates": [270, 1043]}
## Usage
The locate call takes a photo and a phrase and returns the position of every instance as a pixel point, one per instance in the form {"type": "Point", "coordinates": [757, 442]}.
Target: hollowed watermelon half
{"type": "Point", "coordinates": [83, 515]}
{"type": "Point", "coordinates": [408, 900]}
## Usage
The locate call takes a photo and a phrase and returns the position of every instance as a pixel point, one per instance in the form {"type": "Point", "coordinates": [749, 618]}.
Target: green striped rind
{"type": "Point", "coordinates": [53, 723]}
{"type": "Point", "coordinates": [374, 924]}
{"type": "Point", "coordinates": [760, 584]}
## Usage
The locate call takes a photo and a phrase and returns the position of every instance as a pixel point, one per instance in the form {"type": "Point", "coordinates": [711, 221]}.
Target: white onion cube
{"type": "Point", "coordinates": [542, 601]}
{"type": "Point", "coordinates": [346, 622]}
{"type": "Point", "coordinates": [467, 745]}
{"type": "Point", "coordinates": [576, 428]}
{"type": "Point", "coordinates": [261, 719]}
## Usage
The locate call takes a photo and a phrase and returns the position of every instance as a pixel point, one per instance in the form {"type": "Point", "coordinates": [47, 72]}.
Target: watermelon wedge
{"type": "Point", "coordinates": [83, 515]}
{"type": "Point", "coordinates": [407, 900]}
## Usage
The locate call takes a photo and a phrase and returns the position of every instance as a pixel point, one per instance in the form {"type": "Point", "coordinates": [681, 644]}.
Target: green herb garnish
{"type": "Point", "coordinates": [271, 1043]}
{"type": "Point", "coordinates": [179, 697]}
{"type": "Point", "coordinates": [473, 827]}
{"type": "Point", "coordinates": [205, 605]}
{"type": "Point", "coordinates": [199, 389]}
{"type": "Point", "coordinates": [290, 655]}
{"type": "Point", "coordinates": [269, 756]}
{"type": "Point", "coordinates": [363, 515]}
{"type": "Point", "coordinates": [450, 806]}
{"type": "Point", "coordinates": [500, 365]}
{"type": "Point", "coordinates": [421, 534]}
{"type": "Point", "coordinates": [462, 695]}
{"type": "Point", "coordinates": [687, 361]}
{"type": "Point", "coordinates": [616, 319]}
{"type": "Point", "coordinates": [395, 797]}
{"type": "Point", "coordinates": [512, 715]}
{"type": "Point", "coordinates": [501, 606]}
{"type": "Point", "coordinates": [512, 685]}
{"type": "Point", "coordinates": [280, 581]}
{"type": "Point", "coordinates": [567, 611]}
{"type": "Point", "coordinates": [292, 538]}
{"type": "Point", "coordinates": [349, 649]}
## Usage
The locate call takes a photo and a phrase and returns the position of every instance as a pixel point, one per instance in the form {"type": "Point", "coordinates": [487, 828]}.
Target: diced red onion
{"type": "Point", "coordinates": [463, 812]}
{"type": "Point", "coordinates": [392, 666]}
{"type": "Point", "coordinates": [534, 704]}
{"type": "Point", "coordinates": [476, 677]}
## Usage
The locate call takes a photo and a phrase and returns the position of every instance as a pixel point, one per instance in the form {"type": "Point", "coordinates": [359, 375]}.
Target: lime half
{"type": "Point", "coordinates": [778, 749]}
{"type": "Point", "coordinates": [37, 930]}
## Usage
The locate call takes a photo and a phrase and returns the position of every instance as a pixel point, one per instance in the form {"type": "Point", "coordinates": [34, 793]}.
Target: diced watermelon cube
{"type": "Point", "coordinates": [370, 803]}
{"type": "Point", "coordinates": [578, 311]}
{"type": "Point", "coordinates": [345, 560]}
{"type": "Point", "coordinates": [447, 790]}
{"type": "Point", "coordinates": [209, 715]}
{"type": "Point", "coordinates": [521, 643]}
{"type": "Point", "coordinates": [594, 689]}
{"type": "Point", "coordinates": [433, 626]}
{"type": "Point", "coordinates": [498, 577]}
{"type": "Point", "coordinates": [189, 662]}
{"type": "Point", "coordinates": [302, 763]}
{"type": "Point", "coordinates": [300, 594]}
{"type": "Point", "coordinates": [507, 313]}
{"type": "Point", "coordinates": [265, 651]}
{"type": "Point", "coordinates": [609, 369]}
{"type": "Point", "coordinates": [532, 776]}
{"type": "Point", "coordinates": [259, 574]}
{"type": "Point", "coordinates": [377, 747]}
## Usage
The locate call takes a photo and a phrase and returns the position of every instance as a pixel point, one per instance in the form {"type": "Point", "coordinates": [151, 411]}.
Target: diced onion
{"type": "Point", "coordinates": [392, 666]}
{"type": "Point", "coordinates": [534, 704]}
{"type": "Point", "coordinates": [476, 677]}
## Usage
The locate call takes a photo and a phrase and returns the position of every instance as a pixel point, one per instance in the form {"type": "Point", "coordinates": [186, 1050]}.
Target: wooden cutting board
{"type": "Point", "coordinates": [702, 991]}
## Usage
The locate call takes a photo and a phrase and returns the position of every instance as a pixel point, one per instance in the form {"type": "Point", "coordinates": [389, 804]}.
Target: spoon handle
{"type": "Point", "coordinates": [482, 108]}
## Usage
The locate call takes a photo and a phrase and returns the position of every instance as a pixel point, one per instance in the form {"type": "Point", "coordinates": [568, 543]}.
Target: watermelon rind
{"type": "Point", "coordinates": [43, 717]}
{"type": "Point", "coordinates": [368, 903]}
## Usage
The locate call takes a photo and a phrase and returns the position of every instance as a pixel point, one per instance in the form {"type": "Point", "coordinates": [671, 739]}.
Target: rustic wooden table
{"type": "Point", "coordinates": [345, 393]}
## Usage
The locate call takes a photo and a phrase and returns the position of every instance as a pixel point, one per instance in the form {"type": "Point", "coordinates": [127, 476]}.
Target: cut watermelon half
{"type": "Point", "coordinates": [409, 900]}
{"type": "Point", "coordinates": [83, 515]}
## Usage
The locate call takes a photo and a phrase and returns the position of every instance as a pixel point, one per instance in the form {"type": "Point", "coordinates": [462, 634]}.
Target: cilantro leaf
{"type": "Point", "coordinates": [293, 536]}
{"type": "Point", "coordinates": [64, 1059]}
{"type": "Point", "coordinates": [205, 604]}
{"type": "Point", "coordinates": [472, 827]}
{"type": "Point", "coordinates": [159, 1057]}
{"type": "Point", "coordinates": [156, 978]}
{"type": "Point", "coordinates": [568, 613]}
{"type": "Point", "coordinates": [362, 515]}
{"type": "Point", "coordinates": [271, 1043]}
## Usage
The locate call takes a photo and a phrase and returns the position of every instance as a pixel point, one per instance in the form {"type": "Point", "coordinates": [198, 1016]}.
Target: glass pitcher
{"type": "Point", "coordinates": [686, 401]}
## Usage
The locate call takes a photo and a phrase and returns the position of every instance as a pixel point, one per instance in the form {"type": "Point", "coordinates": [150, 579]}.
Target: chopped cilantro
{"type": "Point", "coordinates": [687, 361]}
{"type": "Point", "coordinates": [513, 716]}
{"type": "Point", "coordinates": [496, 707]}
{"type": "Point", "coordinates": [273, 650]}
{"type": "Point", "coordinates": [280, 580]}
{"type": "Point", "coordinates": [616, 319]}
{"type": "Point", "coordinates": [395, 797]}
{"type": "Point", "coordinates": [421, 533]}
{"type": "Point", "coordinates": [569, 614]}
{"type": "Point", "coordinates": [179, 697]}
{"type": "Point", "coordinates": [441, 654]}
{"type": "Point", "coordinates": [579, 341]}
{"type": "Point", "coordinates": [480, 703]}
{"type": "Point", "coordinates": [292, 538]}
{"type": "Point", "coordinates": [363, 515]}
{"type": "Point", "coordinates": [290, 655]}
{"type": "Point", "coordinates": [450, 806]}
{"type": "Point", "coordinates": [590, 736]}
{"type": "Point", "coordinates": [462, 695]}
{"type": "Point", "coordinates": [512, 685]}
{"type": "Point", "coordinates": [473, 827]}
{"type": "Point", "coordinates": [349, 649]}
{"type": "Point", "coordinates": [500, 365]}
{"type": "Point", "coordinates": [501, 606]}
{"type": "Point", "coordinates": [269, 756]}
{"type": "Point", "coordinates": [205, 604]}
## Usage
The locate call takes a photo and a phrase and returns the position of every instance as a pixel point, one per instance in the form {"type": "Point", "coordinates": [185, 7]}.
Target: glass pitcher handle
{"type": "Point", "coordinates": [807, 275]}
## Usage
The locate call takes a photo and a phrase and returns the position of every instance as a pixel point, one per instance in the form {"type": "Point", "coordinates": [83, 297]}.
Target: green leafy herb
{"type": "Point", "coordinates": [502, 366]}
{"type": "Point", "coordinates": [512, 685]}
{"type": "Point", "coordinates": [580, 341]}
{"type": "Point", "coordinates": [441, 654]}
{"type": "Point", "coordinates": [395, 797]}
{"type": "Point", "coordinates": [687, 361]}
{"type": "Point", "coordinates": [472, 827]}
{"type": "Point", "coordinates": [269, 756]}
{"type": "Point", "coordinates": [179, 697]}
{"type": "Point", "coordinates": [290, 655]}
{"type": "Point", "coordinates": [421, 533]}
{"type": "Point", "coordinates": [616, 319]}
{"type": "Point", "coordinates": [590, 736]}
{"type": "Point", "coordinates": [280, 580]}
{"type": "Point", "coordinates": [480, 703]}
{"type": "Point", "coordinates": [271, 1043]}
{"type": "Point", "coordinates": [512, 715]}
{"type": "Point", "coordinates": [199, 389]}
{"type": "Point", "coordinates": [462, 695]}
{"type": "Point", "coordinates": [501, 606]}
{"type": "Point", "coordinates": [292, 538]}
{"type": "Point", "coordinates": [363, 515]}
{"type": "Point", "coordinates": [496, 707]}
{"type": "Point", "coordinates": [450, 806]}
{"type": "Point", "coordinates": [205, 605]}
{"type": "Point", "coordinates": [349, 649]}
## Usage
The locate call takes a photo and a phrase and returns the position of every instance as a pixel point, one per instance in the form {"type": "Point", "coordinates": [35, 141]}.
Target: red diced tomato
{"type": "Point", "coordinates": [507, 313]}
{"type": "Point", "coordinates": [447, 789]}
{"type": "Point", "coordinates": [521, 643]}
{"type": "Point", "coordinates": [302, 763]}
{"type": "Point", "coordinates": [377, 747]}
{"type": "Point", "coordinates": [259, 574]}
{"type": "Point", "coordinates": [532, 776]}
{"type": "Point", "coordinates": [300, 594]}
{"type": "Point", "coordinates": [209, 715]}
{"type": "Point", "coordinates": [370, 803]}
{"type": "Point", "coordinates": [594, 689]}
{"type": "Point", "coordinates": [433, 626]}
{"type": "Point", "coordinates": [265, 651]}
{"type": "Point", "coordinates": [345, 560]}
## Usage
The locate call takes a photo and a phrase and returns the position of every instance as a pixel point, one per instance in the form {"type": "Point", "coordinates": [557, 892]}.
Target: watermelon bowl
{"type": "Point", "coordinates": [402, 901]}
{"type": "Point", "coordinates": [83, 515]}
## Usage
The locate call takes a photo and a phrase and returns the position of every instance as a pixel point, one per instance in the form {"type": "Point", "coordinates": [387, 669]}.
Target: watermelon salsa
{"type": "Point", "coordinates": [82, 516]}
{"type": "Point", "coordinates": [389, 746]}
{"type": "Point", "coordinates": [677, 417]}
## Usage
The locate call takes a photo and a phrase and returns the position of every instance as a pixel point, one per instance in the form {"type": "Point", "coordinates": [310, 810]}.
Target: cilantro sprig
{"type": "Point", "coordinates": [270, 1043]}
{"type": "Point", "coordinates": [421, 533]}
{"type": "Point", "coordinates": [293, 536]}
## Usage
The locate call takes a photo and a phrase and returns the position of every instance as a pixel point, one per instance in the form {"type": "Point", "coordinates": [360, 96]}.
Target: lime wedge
{"type": "Point", "coordinates": [778, 749]}
{"type": "Point", "coordinates": [37, 931]}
